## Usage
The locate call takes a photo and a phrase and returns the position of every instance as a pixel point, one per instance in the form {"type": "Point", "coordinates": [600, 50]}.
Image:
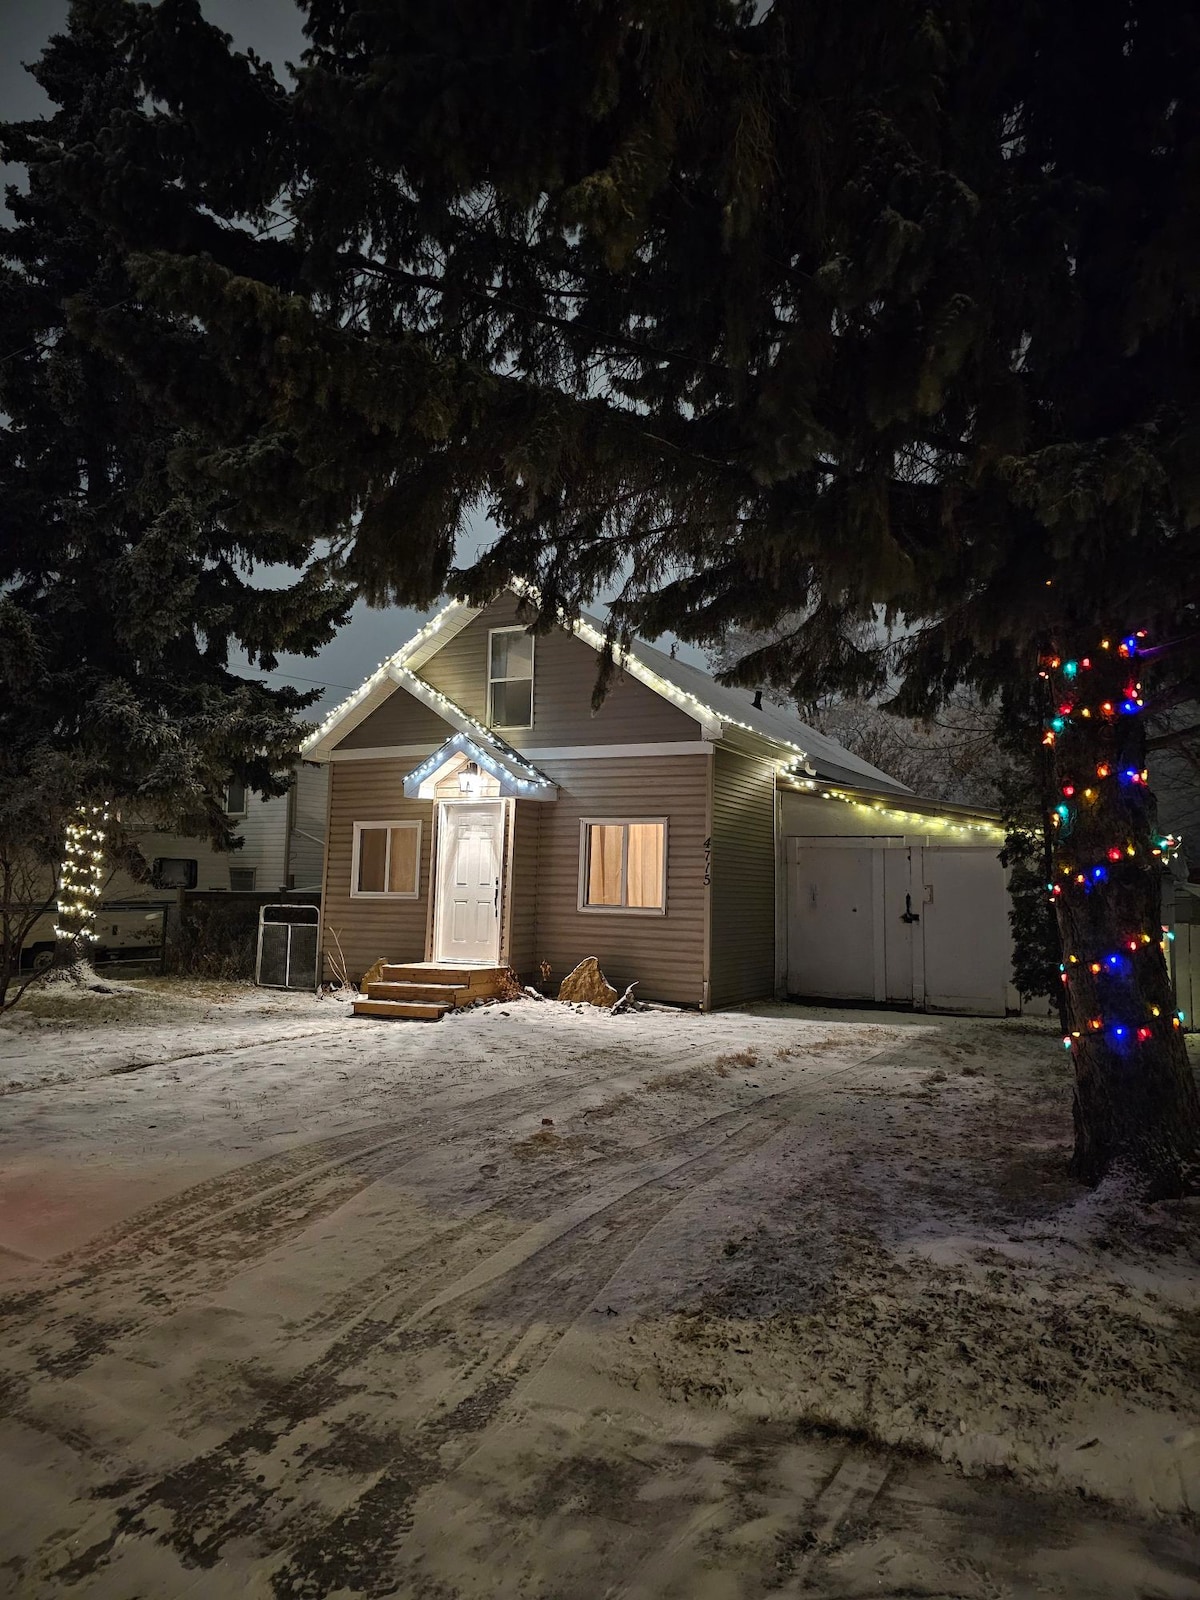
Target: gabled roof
{"type": "Point", "coordinates": [717, 708]}
{"type": "Point", "coordinates": [516, 776]}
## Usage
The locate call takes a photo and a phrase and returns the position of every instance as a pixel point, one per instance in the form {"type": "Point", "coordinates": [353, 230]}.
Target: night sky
{"type": "Point", "coordinates": [272, 28]}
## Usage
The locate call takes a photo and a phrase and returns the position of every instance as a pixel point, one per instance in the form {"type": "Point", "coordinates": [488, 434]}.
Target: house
{"type": "Point", "coordinates": [483, 815]}
{"type": "Point", "coordinates": [282, 842]}
{"type": "Point", "coordinates": [283, 847]}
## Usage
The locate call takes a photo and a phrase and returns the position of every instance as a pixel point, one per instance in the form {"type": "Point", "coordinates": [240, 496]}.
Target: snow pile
{"type": "Point", "coordinates": [79, 979]}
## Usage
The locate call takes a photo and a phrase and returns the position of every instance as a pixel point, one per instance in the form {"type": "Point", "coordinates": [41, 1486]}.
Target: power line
{"type": "Point", "coordinates": [317, 683]}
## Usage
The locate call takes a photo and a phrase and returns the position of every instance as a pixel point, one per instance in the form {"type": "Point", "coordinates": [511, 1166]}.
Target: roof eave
{"type": "Point", "coordinates": [908, 805]}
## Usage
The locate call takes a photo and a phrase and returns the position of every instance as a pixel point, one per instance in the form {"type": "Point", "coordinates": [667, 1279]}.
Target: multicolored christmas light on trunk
{"type": "Point", "coordinates": [1135, 1098]}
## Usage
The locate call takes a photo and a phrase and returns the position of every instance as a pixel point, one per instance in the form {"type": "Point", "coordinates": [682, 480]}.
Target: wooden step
{"type": "Point", "coordinates": [478, 979]}
{"type": "Point", "coordinates": [402, 1010]}
{"type": "Point", "coordinates": [449, 994]}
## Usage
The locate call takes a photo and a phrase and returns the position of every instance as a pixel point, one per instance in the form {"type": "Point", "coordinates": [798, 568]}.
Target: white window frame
{"type": "Point", "coordinates": [253, 871]}
{"type": "Point", "coordinates": [622, 910]}
{"type": "Point", "coordinates": [229, 811]}
{"type": "Point", "coordinates": [491, 682]}
{"type": "Point", "coordinates": [384, 894]}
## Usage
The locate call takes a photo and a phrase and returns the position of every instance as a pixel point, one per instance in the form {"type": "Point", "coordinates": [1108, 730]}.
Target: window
{"type": "Point", "coordinates": [241, 878]}
{"type": "Point", "coordinates": [510, 678]}
{"type": "Point", "coordinates": [173, 872]}
{"type": "Point", "coordinates": [235, 799]}
{"type": "Point", "coordinates": [623, 865]}
{"type": "Point", "coordinates": [387, 859]}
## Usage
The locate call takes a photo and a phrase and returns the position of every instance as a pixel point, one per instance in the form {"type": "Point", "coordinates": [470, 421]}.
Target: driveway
{"type": "Point", "coordinates": [300, 1306]}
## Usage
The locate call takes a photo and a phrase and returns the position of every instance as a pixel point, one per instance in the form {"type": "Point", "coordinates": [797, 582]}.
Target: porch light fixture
{"type": "Point", "coordinates": [470, 779]}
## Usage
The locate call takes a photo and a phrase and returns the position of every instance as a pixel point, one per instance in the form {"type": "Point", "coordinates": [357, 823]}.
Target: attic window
{"type": "Point", "coordinates": [510, 678]}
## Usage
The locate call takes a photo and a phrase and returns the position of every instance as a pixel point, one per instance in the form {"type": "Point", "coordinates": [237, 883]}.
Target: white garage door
{"type": "Point", "coordinates": [882, 920]}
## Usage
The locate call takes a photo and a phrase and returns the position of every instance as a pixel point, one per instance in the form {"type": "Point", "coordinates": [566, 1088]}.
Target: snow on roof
{"type": "Point", "coordinates": [777, 723]}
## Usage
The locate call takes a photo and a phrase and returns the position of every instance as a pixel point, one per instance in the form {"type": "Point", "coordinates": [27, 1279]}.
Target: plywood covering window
{"type": "Point", "coordinates": [387, 860]}
{"type": "Point", "coordinates": [510, 678]}
{"type": "Point", "coordinates": [623, 864]}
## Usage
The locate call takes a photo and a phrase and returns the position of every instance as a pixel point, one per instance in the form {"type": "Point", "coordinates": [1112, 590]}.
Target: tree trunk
{"type": "Point", "coordinates": [1136, 1103]}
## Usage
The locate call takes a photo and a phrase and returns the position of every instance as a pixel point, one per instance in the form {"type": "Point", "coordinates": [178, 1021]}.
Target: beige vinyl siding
{"type": "Point", "coordinates": [742, 958]}
{"type": "Point", "coordinates": [401, 719]}
{"type": "Point", "coordinates": [664, 953]}
{"type": "Point", "coordinates": [371, 791]}
{"type": "Point", "coordinates": [564, 675]}
{"type": "Point", "coordinates": [524, 840]}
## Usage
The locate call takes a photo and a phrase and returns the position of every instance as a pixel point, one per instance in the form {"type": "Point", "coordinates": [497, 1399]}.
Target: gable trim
{"type": "Point", "coordinates": [374, 690]}
{"type": "Point", "coordinates": [517, 779]}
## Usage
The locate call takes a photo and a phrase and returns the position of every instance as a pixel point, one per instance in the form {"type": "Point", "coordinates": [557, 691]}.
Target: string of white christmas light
{"type": "Point", "coordinates": [921, 819]}
{"type": "Point", "coordinates": [687, 702]}
{"type": "Point", "coordinates": [500, 769]}
{"type": "Point", "coordinates": [377, 677]}
{"type": "Point", "coordinates": [637, 668]}
{"type": "Point", "coordinates": [81, 874]}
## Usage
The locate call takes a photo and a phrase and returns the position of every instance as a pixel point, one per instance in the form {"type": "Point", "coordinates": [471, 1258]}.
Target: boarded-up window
{"type": "Point", "coordinates": [387, 859]}
{"type": "Point", "coordinates": [623, 865]}
{"type": "Point", "coordinates": [510, 678]}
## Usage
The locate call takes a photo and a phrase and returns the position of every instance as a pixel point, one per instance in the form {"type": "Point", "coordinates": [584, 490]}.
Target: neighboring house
{"type": "Point", "coordinates": [283, 845]}
{"type": "Point", "coordinates": [283, 850]}
{"type": "Point", "coordinates": [711, 849]}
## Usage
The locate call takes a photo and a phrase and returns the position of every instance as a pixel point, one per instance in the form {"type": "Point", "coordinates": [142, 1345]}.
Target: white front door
{"type": "Point", "coordinates": [467, 918]}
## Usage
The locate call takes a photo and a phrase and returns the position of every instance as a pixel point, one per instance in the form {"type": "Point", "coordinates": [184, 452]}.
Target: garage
{"type": "Point", "coordinates": [916, 917]}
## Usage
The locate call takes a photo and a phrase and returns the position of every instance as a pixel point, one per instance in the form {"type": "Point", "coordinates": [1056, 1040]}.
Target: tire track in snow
{"type": "Point", "coordinates": [68, 1080]}
{"type": "Point", "coordinates": [188, 1244]}
{"type": "Point", "coordinates": [533, 1289]}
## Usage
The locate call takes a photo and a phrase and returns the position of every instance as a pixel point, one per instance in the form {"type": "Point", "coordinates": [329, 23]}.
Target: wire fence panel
{"type": "Point", "coordinates": [288, 947]}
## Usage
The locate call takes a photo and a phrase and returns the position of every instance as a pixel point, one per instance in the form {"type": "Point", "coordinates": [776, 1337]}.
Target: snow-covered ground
{"type": "Point", "coordinates": [541, 1302]}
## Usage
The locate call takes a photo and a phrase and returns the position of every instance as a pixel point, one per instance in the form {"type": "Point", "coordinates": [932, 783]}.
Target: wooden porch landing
{"type": "Point", "coordinates": [423, 991]}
